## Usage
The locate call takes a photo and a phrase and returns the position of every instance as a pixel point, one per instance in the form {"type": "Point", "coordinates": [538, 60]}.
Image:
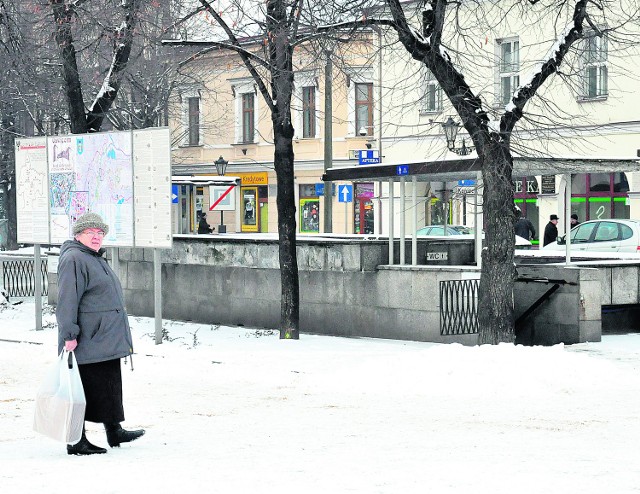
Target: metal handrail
{"type": "Point", "coordinates": [459, 307]}
{"type": "Point", "coordinates": [18, 275]}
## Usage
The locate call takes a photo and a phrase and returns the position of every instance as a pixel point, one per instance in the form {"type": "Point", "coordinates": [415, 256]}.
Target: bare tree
{"type": "Point", "coordinates": [429, 38]}
{"type": "Point", "coordinates": [67, 15]}
{"type": "Point", "coordinates": [272, 70]}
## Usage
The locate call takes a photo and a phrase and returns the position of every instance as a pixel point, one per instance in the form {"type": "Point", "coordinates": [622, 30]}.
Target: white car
{"type": "Point", "coordinates": [602, 236]}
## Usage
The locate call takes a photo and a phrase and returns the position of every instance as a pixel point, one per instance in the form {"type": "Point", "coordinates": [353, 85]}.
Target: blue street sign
{"type": "Point", "coordinates": [320, 189]}
{"type": "Point", "coordinates": [345, 193]}
{"type": "Point", "coordinates": [369, 157]}
{"type": "Point", "coordinates": [174, 194]}
{"type": "Point", "coordinates": [466, 183]}
{"type": "Point", "coordinates": [402, 170]}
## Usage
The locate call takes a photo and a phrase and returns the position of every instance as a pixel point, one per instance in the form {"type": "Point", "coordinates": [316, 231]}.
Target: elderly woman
{"type": "Point", "coordinates": [92, 321]}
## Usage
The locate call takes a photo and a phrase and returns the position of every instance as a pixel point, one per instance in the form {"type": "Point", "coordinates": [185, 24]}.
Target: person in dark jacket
{"type": "Point", "coordinates": [524, 228]}
{"type": "Point", "coordinates": [203, 226]}
{"type": "Point", "coordinates": [93, 322]}
{"type": "Point", "coordinates": [574, 220]}
{"type": "Point", "coordinates": [551, 230]}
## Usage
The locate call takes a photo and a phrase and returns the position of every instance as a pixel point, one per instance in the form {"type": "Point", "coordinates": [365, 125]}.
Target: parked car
{"type": "Point", "coordinates": [608, 235]}
{"type": "Point", "coordinates": [438, 230]}
{"type": "Point", "coordinates": [461, 231]}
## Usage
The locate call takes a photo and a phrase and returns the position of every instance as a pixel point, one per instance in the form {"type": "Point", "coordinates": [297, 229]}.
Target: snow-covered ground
{"type": "Point", "coordinates": [234, 410]}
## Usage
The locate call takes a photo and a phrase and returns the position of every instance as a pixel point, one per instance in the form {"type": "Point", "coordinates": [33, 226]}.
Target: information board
{"type": "Point", "coordinates": [32, 205]}
{"type": "Point", "coordinates": [92, 172]}
{"type": "Point", "coordinates": [59, 178]}
{"type": "Point", "coordinates": [152, 187]}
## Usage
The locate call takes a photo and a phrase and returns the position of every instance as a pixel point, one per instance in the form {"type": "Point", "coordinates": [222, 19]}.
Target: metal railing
{"type": "Point", "coordinates": [459, 307]}
{"type": "Point", "coordinates": [18, 276]}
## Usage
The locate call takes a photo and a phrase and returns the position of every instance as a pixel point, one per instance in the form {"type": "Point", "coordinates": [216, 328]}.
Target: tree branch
{"type": "Point", "coordinates": [113, 80]}
{"type": "Point", "coordinates": [243, 55]}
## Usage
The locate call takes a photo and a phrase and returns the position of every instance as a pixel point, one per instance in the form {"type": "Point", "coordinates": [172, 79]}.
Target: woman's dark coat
{"type": "Point", "coordinates": [91, 306]}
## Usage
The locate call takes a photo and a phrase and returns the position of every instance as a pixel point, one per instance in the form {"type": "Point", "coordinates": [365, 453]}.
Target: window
{"type": "Point", "coordinates": [508, 68]}
{"type": "Point", "coordinates": [595, 73]}
{"type": "Point", "coordinates": [432, 99]}
{"type": "Point", "coordinates": [596, 196]}
{"type": "Point", "coordinates": [582, 234]}
{"type": "Point", "coordinates": [194, 121]}
{"type": "Point", "coordinates": [364, 108]}
{"type": "Point", "coordinates": [248, 115]}
{"type": "Point", "coordinates": [309, 111]}
{"type": "Point", "coordinates": [606, 232]}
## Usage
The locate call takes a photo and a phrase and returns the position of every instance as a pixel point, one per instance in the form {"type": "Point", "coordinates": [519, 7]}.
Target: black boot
{"type": "Point", "coordinates": [84, 447]}
{"type": "Point", "coordinates": [116, 435]}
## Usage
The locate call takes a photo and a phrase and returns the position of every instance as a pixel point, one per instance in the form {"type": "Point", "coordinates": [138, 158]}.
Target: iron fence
{"type": "Point", "coordinates": [459, 307]}
{"type": "Point", "coordinates": [18, 277]}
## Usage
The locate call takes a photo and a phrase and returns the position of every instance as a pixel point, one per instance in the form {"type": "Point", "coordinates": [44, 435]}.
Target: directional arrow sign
{"type": "Point", "coordinates": [345, 193]}
{"type": "Point", "coordinates": [174, 194]}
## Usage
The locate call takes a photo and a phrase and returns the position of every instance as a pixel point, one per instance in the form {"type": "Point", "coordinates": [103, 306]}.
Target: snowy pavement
{"type": "Point", "coordinates": [234, 410]}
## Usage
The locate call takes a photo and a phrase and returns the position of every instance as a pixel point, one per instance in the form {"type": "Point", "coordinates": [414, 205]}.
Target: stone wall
{"type": "Point", "coordinates": [347, 288]}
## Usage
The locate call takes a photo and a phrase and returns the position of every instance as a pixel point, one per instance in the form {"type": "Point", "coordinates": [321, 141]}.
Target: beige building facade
{"type": "Point", "coordinates": [388, 104]}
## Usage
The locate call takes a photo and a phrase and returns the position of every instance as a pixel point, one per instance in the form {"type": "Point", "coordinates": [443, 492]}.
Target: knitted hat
{"type": "Point", "coordinates": [89, 220]}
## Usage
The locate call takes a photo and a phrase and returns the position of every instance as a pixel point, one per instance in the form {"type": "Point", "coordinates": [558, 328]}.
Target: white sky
{"type": "Point", "coordinates": [243, 411]}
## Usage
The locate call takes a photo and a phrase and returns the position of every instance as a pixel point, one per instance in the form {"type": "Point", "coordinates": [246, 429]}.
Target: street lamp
{"type": "Point", "coordinates": [221, 167]}
{"type": "Point", "coordinates": [451, 128]}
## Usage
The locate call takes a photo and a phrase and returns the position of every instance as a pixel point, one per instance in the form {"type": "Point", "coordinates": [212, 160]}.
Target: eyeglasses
{"type": "Point", "coordinates": [94, 234]}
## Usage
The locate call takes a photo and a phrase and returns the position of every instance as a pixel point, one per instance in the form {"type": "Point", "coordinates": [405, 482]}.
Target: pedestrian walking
{"type": "Point", "coordinates": [524, 228]}
{"type": "Point", "coordinates": [551, 230]}
{"type": "Point", "coordinates": [93, 322]}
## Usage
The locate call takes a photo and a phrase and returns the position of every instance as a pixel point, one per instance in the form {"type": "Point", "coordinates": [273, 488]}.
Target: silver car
{"type": "Point", "coordinates": [608, 235]}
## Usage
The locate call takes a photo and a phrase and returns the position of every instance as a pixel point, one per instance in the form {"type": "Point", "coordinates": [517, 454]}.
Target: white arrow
{"type": "Point", "coordinates": [345, 193]}
{"type": "Point", "coordinates": [173, 196]}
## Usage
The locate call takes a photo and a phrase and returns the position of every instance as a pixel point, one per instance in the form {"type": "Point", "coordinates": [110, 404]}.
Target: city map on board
{"type": "Point", "coordinates": [92, 172]}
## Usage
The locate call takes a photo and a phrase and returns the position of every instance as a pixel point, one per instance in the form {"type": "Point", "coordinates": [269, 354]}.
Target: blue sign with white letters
{"type": "Point", "coordinates": [369, 157]}
{"type": "Point", "coordinates": [466, 183]}
{"type": "Point", "coordinates": [402, 170]}
{"type": "Point", "coordinates": [320, 189]}
{"type": "Point", "coordinates": [345, 193]}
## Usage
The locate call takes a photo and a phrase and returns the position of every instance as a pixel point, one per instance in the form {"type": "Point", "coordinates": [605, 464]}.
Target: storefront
{"type": "Point", "coordinates": [254, 202]}
{"type": "Point", "coordinates": [309, 209]}
{"type": "Point", "coordinates": [363, 219]}
{"type": "Point", "coordinates": [597, 196]}
{"type": "Point", "coordinates": [525, 197]}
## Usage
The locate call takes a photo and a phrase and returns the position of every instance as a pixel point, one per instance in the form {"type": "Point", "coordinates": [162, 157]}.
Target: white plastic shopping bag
{"type": "Point", "coordinates": [60, 402]}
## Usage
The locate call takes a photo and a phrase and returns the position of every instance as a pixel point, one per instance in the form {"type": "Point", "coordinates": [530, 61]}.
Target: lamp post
{"type": "Point", "coordinates": [221, 168]}
{"type": "Point", "coordinates": [451, 128]}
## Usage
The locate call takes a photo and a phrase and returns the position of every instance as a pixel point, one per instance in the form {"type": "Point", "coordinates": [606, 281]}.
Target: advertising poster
{"type": "Point", "coordinates": [249, 209]}
{"type": "Point", "coordinates": [32, 206]}
{"type": "Point", "coordinates": [309, 216]}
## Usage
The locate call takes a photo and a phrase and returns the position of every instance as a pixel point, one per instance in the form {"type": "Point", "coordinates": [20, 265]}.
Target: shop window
{"type": "Point", "coordinates": [309, 207]}
{"type": "Point", "coordinates": [600, 196]}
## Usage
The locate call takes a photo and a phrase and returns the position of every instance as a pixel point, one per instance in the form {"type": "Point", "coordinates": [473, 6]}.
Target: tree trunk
{"type": "Point", "coordinates": [8, 175]}
{"type": "Point", "coordinates": [64, 16]}
{"type": "Point", "coordinates": [290, 298]}
{"type": "Point", "coordinates": [495, 303]}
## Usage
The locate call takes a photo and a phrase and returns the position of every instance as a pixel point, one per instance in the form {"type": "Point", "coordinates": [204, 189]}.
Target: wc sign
{"type": "Point", "coordinates": [369, 157]}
